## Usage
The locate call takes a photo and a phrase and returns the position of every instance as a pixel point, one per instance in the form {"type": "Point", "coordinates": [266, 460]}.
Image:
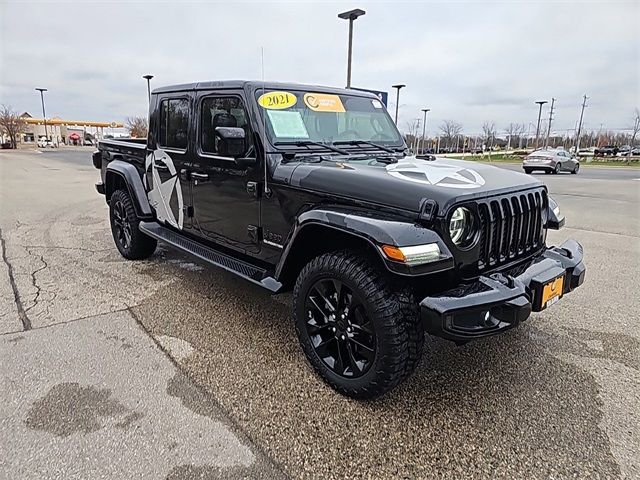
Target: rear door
{"type": "Point", "coordinates": [563, 157]}
{"type": "Point", "coordinates": [166, 180]}
{"type": "Point", "coordinates": [226, 209]}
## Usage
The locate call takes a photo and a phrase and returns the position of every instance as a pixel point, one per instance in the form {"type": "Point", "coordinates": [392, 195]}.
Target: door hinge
{"type": "Point", "coordinates": [253, 189]}
{"type": "Point", "coordinates": [255, 233]}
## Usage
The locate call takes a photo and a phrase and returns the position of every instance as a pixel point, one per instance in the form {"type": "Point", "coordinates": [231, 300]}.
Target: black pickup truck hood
{"type": "Point", "coordinates": [407, 183]}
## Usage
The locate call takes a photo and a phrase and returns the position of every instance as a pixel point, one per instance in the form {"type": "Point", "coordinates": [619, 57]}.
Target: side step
{"type": "Point", "coordinates": [245, 270]}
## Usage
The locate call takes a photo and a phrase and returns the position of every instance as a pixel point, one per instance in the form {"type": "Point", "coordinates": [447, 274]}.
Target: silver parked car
{"type": "Point", "coordinates": [551, 161]}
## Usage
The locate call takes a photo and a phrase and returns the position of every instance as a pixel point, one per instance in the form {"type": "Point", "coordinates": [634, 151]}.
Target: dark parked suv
{"type": "Point", "coordinates": [312, 189]}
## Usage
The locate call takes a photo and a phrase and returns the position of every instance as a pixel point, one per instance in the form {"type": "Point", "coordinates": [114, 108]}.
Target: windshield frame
{"type": "Point", "coordinates": [273, 141]}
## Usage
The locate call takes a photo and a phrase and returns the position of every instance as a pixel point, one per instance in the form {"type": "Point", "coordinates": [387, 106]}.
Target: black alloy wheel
{"type": "Point", "coordinates": [359, 329]}
{"type": "Point", "coordinates": [339, 328]}
{"type": "Point", "coordinates": [122, 227]}
{"type": "Point", "coordinates": [130, 241]}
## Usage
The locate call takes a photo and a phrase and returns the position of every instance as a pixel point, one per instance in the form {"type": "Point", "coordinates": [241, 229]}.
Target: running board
{"type": "Point", "coordinates": [245, 270]}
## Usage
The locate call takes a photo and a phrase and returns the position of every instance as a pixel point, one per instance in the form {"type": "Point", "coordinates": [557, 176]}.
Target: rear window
{"type": "Point", "coordinates": [174, 122]}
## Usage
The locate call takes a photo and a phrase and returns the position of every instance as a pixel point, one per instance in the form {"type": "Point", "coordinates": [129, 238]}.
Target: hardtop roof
{"type": "Point", "coordinates": [256, 84]}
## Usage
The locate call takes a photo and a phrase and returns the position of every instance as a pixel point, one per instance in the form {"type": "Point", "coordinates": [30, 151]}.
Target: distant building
{"type": "Point", "coordinates": [61, 131]}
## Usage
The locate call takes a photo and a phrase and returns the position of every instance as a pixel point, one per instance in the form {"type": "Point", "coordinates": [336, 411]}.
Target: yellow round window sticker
{"type": "Point", "coordinates": [277, 100]}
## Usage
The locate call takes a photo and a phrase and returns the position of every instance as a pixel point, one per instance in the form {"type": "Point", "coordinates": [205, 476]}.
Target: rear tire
{"type": "Point", "coordinates": [528, 171]}
{"type": "Point", "coordinates": [130, 241]}
{"type": "Point", "coordinates": [556, 169]}
{"type": "Point", "coordinates": [362, 336]}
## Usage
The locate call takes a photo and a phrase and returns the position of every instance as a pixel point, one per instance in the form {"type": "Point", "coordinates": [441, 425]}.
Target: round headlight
{"type": "Point", "coordinates": [461, 226]}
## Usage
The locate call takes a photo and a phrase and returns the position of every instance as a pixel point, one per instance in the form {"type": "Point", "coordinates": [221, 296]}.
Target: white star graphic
{"type": "Point", "coordinates": [160, 195]}
{"type": "Point", "coordinates": [440, 175]}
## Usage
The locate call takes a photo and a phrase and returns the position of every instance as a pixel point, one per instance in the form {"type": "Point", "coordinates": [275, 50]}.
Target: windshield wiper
{"type": "Point", "coordinates": [307, 143]}
{"type": "Point", "coordinates": [365, 142]}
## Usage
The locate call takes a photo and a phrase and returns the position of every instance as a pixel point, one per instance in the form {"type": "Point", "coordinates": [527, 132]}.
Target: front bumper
{"type": "Point", "coordinates": [497, 303]}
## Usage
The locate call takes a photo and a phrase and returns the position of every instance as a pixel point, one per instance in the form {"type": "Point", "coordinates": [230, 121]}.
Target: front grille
{"type": "Point", "coordinates": [511, 227]}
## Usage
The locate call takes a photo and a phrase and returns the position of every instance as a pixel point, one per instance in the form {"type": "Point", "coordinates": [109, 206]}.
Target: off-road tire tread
{"type": "Point", "coordinates": [142, 246]}
{"type": "Point", "coordinates": [400, 333]}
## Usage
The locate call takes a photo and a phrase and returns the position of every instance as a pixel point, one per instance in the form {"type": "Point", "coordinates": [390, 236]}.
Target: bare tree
{"type": "Point", "coordinates": [12, 124]}
{"type": "Point", "coordinates": [634, 132]}
{"type": "Point", "coordinates": [450, 131]}
{"type": "Point", "coordinates": [137, 127]}
{"type": "Point", "coordinates": [489, 133]}
{"type": "Point", "coordinates": [514, 133]}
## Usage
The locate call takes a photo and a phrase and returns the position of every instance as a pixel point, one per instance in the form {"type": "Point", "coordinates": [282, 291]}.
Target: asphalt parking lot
{"type": "Point", "coordinates": [168, 368]}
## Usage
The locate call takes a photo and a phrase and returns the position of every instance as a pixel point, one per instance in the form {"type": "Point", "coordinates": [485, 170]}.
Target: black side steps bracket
{"type": "Point", "coordinates": [245, 270]}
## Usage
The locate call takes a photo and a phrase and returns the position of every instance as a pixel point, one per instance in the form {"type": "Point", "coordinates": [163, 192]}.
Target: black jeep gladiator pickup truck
{"type": "Point", "coordinates": [313, 189]}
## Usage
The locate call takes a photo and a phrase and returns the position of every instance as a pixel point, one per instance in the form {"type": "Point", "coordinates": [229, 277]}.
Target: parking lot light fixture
{"type": "Point", "coordinates": [44, 115]}
{"type": "Point", "coordinates": [541, 103]}
{"type": "Point", "coordinates": [148, 79]}
{"type": "Point", "coordinates": [351, 15]}
{"type": "Point", "coordinates": [397, 87]}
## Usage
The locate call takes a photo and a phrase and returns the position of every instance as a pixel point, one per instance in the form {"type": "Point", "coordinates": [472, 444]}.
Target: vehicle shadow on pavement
{"type": "Point", "coordinates": [500, 407]}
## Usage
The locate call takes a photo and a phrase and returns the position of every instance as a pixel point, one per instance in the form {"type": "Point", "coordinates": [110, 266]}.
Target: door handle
{"type": "Point", "coordinates": [199, 176]}
{"type": "Point", "coordinates": [160, 166]}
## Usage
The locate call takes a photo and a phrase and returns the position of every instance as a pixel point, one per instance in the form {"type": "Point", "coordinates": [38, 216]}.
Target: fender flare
{"type": "Point", "coordinates": [375, 231]}
{"type": "Point", "coordinates": [133, 181]}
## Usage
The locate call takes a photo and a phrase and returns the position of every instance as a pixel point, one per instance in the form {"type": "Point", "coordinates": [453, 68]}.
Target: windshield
{"type": "Point", "coordinates": [306, 117]}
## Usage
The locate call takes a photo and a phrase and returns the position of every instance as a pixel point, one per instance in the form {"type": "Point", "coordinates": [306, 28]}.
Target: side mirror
{"type": "Point", "coordinates": [231, 141]}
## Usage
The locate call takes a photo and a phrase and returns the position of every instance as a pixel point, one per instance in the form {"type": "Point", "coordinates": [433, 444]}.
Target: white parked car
{"type": "Point", "coordinates": [587, 152]}
{"type": "Point", "coordinates": [46, 143]}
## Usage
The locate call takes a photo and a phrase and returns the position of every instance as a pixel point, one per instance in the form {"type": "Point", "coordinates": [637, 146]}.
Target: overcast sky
{"type": "Point", "coordinates": [467, 61]}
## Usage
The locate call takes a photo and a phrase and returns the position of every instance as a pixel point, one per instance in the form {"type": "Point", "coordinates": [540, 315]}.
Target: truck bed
{"type": "Point", "coordinates": [131, 150]}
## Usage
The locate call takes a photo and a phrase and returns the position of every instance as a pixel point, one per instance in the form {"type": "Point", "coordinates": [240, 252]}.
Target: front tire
{"type": "Point", "coordinates": [528, 171]}
{"type": "Point", "coordinates": [362, 336]}
{"type": "Point", "coordinates": [556, 170]}
{"type": "Point", "coordinates": [130, 241]}
{"type": "Point", "coordinates": [576, 169]}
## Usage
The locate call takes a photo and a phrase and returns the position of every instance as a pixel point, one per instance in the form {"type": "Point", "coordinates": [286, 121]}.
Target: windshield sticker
{"type": "Point", "coordinates": [277, 100]}
{"type": "Point", "coordinates": [376, 103]}
{"type": "Point", "coordinates": [323, 102]}
{"type": "Point", "coordinates": [287, 124]}
{"type": "Point", "coordinates": [448, 176]}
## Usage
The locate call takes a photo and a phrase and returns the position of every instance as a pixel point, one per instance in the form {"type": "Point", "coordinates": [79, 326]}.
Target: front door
{"type": "Point", "coordinates": [168, 189]}
{"type": "Point", "coordinates": [225, 209]}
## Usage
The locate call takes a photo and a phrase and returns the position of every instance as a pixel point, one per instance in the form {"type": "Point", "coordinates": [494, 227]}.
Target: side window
{"type": "Point", "coordinates": [174, 122]}
{"type": "Point", "coordinates": [221, 112]}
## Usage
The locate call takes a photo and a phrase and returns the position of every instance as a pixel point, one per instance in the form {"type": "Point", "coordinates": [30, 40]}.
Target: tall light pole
{"type": "Point", "coordinates": [424, 125]}
{"type": "Point", "coordinates": [44, 115]}
{"type": "Point", "coordinates": [351, 15]}
{"type": "Point", "coordinates": [397, 87]}
{"type": "Point", "coordinates": [148, 78]}
{"type": "Point", "coordinates": [541, 103]}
